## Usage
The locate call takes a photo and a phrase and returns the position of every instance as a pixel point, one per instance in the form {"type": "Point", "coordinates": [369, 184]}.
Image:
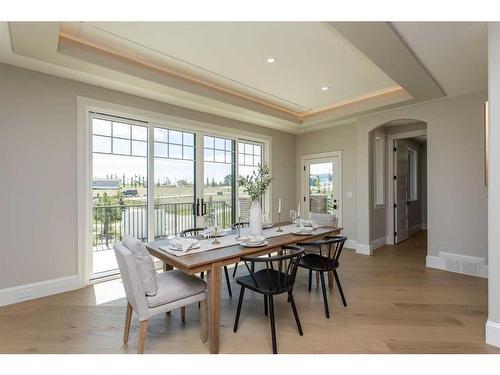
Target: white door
{"type": "Point", "coordinates": [321, 191]}
{"type": "Point", "coordinates": [400, 191]}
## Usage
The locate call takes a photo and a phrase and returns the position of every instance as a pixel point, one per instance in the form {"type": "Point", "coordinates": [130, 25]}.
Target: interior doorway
{"type": "Point", "coordinates": [407, 187]}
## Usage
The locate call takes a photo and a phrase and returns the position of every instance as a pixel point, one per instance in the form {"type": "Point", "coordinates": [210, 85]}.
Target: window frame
{"type": "Point", "coordinates": [86, 106]}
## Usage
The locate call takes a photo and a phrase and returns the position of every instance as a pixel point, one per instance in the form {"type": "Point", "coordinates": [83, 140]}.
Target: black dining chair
{"type": "Point", "coordinates": [276, 278]}
{"type": "Point", "coordinates": [243, 224]}
{"type": "Point", "coordinates": [195, 232]}
{"type": "Point", "coordinates": [323, 258]}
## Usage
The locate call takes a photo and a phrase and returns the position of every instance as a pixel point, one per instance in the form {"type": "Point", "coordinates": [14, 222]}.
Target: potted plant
{"type": "Point", "coordinates": [256, 186]}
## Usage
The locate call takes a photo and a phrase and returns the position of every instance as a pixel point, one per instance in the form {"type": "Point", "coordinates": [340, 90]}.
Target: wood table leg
{"type": "Point", "coordinates": [167, 267]}
{"type": "Point", "coordinates": [214, 286]}
{"type": "Point", "coordinates": [330, 280]}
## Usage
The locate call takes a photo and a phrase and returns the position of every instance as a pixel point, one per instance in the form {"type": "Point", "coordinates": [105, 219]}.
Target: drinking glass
{"type": "Point", "coordinates": [293, 215]}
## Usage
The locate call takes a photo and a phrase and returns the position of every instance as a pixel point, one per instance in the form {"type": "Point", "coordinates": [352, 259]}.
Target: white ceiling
{"type": "Point", "coordinates": [232, 55]}
{"type": "Point", "coordinates": [455, 53]}
{"type": "Point", "coordinates": [220, 67]}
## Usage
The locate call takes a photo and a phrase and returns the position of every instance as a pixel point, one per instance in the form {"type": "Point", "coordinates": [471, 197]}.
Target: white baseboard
{"type": "Point", "coordinates": [363, 249]}
{"type": "Point", "coordinates": [493, 333]}
{"type": "Point", "coordinates": [452, 262]}
{"type": "Point", "coordinates": [26, 292]}
{"type": "Point", "coordinates": [379, 242]}
{"type": "Point", "coordinates": [351, 244]}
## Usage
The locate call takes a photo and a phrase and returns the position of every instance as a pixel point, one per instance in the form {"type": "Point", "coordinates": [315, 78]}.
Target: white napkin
{"type": "Point", "coordinates": [183, 244]}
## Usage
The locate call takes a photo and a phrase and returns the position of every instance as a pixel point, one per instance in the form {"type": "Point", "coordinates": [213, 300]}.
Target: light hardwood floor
{"type": "Point", "coordinates": [395, 305]}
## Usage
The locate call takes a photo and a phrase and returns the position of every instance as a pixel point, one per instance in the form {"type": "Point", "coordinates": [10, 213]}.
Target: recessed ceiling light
{"type": "Point", "coordinates": [271, 60]}
{"type": "Point", "coordinates": [324, 88]}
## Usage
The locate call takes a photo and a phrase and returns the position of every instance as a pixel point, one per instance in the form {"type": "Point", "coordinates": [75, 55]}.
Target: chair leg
{"type": "Point", "coordinates": [317, 278]}
{"type": "Point", "coordinates": [340, 287]}
{"type": "Point", "coordinates": [295, 314]}
{"type": "Point", "coordinates": [273, 328]}
{"type": "Point", "coordinates": [203, 320]}
{"type": "Point", "coordinates": [228, 282]}
{"type": "Point", "coordinates": [265, 304]}
{"type": "Point", "coordinates": [235, 268]}
{"type": "Point", "coordinates": [310, 279]}
{"type": "Point", "coordinates": [238, 310]}
{"type": "Point", "coordinates": [128, 319]}
{"type": "Point", "coordinates": [143, 329]}
{"type": "Point", "coordinates": [325, 298]}
{"type": "Point", "coordinates": [183, 314]}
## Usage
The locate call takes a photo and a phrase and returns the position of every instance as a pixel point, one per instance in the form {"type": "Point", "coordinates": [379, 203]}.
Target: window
{"type": "Point", "coordinates": [119, 187]}
{"type": "Point", "coordinates": [379, 169]}
{"type": "Point", "coordinates": [150, 181]}
{"type": "Point", "coordinates": [219, 185]}
{"type": "Point", "coordinates": [250, 155]}
{"type": "Point", "coordinates": [412, 174]}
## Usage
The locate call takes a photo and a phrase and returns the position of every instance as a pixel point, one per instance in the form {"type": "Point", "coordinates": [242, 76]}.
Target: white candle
{"type": "Point", "coordinates": [279, 205]}
{"type": "Point", "coordinates": [298, 210]}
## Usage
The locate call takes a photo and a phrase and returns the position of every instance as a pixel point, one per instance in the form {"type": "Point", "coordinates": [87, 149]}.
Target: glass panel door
{"type": "Point", "coordinates": [119, 188]}
{"type": "Point", "coordinates": [175, 181]}
{"type": "Point", "coordinates": [322, 186]}
{"type": "Point", "coordinates": [219, 181]}
{"type": "Point", "coordinates": [249, 157]}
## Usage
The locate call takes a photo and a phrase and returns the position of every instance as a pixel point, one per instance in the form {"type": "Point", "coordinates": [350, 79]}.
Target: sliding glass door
{"type": "Point", "coordinates": [151, 181]}
{"type": "Point", "coordinates": [119, 187]}
{"type": "Point", "coordinates": [219, 181]}
{"type": "Point", "coordinates": [175, 181]}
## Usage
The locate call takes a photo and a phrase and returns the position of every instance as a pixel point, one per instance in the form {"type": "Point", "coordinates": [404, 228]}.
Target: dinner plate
{"type": "Point", "coordinates": [308, 233]}
{"type": "Point", "coordinates": [248, 244]}
{"type": "Point", "coordinates": [219, 233]}
{"type": "Point", "coordinates": [195, 246]}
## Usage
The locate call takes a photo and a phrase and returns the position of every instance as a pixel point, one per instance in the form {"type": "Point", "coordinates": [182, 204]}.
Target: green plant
{"type": "Point", "coordinates": [257, 184]}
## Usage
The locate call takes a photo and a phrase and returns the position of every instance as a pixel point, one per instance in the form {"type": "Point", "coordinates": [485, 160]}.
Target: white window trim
{"type": "Point", "coordinates": [379, 176]}
{"type": "Point", "coordinates": [84, 159]}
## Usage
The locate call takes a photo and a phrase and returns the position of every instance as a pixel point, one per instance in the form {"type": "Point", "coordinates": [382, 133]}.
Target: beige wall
{"type": "Point", "coordinates": [342, 138]}
{"type": "Point", "coordinates": [457, 201]}
{"type": "Point", "coordinates": [38, 159]}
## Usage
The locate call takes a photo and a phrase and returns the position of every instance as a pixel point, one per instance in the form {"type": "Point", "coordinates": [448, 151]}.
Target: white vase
{"type": "Point", "coordinates": [255, 219]}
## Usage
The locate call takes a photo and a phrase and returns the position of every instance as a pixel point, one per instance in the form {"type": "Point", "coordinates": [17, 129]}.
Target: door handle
{"type": "Point", "coordinates": [203, 208]}
{"type": "Point", "coordinates": [198, 207]}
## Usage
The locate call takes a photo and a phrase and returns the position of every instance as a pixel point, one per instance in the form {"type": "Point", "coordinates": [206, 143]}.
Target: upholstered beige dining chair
{"type": "Point", "coordinates": [175, 290]}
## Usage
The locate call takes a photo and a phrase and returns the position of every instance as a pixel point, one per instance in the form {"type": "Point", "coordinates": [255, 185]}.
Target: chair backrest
{"type": "Point", "coordinates": [134, 290]}
{"type": "Point", "coordinates": [278, 282]}
{"type": "Point", "coordinates": [191, 232]}
{"type": "Point", "coordinates": [240, 225]}
{"type": "Point", "coordinates": [329, 250]}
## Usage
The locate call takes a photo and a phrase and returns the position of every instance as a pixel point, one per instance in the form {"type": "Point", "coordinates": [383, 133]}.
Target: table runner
{"type": "Point", "coordinates": [229, 240]}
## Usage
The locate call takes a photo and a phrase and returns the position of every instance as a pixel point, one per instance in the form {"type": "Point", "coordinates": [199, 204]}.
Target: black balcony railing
{"type": "Point", "coordinates": [110, 223]}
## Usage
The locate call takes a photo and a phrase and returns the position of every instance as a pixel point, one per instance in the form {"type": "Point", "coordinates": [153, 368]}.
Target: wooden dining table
{"type": "Point", "coordinates": [212, 261]}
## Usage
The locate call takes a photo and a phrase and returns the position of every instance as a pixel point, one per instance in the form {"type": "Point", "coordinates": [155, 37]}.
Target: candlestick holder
{"type": "Point", "coordinates": [279, 223]}
{"type": "Point", "coordinates": [215, 241]}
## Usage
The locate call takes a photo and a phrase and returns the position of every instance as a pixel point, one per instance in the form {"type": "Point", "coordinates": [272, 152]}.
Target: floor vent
{"type": "Point", "coordinates": [467, 265]}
